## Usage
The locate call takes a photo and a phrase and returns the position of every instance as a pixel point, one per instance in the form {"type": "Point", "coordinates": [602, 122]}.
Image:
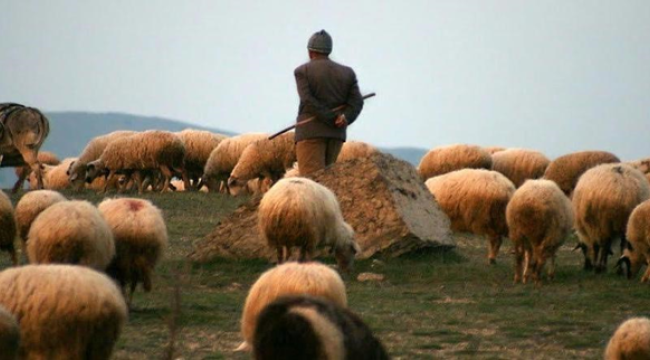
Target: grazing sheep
{"type": "Point", "coordinates": [64, 311]}
{"type": "Point", "coordinates": [140, 239]}
{"type": "Point", "coordinates": [224, 158]}
{"type": "Point", "coordinates": [602, 203]}
{"type": "Point", "coordinates": [631, 341]}
{"type": "Point", "coordinates": [263, 159]}
{"type": "Point", "coordinates": [567, 169]}
{"type": "Point", "coordinates": [539, 218]}
{"type": "Point", "coordinates": [475, 201]}
{"type": "Point", "coordinates": [637, 249]}
{"type": "Point", "coordinates": [7, 227]}
{"type": "Point", "coordinates": [71, 232]}
{"type": "Point", "coordinates": [445, 159]}
{"type": "Point", "coordinates": [9, 335]}
{"type": "Point", "coordinates": [198, 146]}
{"type": "Point", "coordinates": [289, 279]}
{"type": "Point", "coordinates": [92, 151]}
{"type": "Point", "coordinates": [519, 165]}
{"type": "Point", "coordinates": [54, 177]}
{"type": "Point", "coordinates": [494, 149]}
{"type": "Point", "coordinates": [303, 327]}
{"type": "Point", "coordinates": [149, 150]}
{"type": "Point", "coordinates": [299, 212]}
{"type": "Point", "coordinates": [356, 150]}
{"type": "Point", "coordinates": [45, 158]}
{"type": "Point", "coordinates": [32, 204]}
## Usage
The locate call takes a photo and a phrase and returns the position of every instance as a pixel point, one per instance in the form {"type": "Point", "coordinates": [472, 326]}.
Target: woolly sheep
{"type": "Point", "coordinates": [54, 177]}
{"type": "Point", "coordinates": [642, 165]}
{"type": "Point", "coordinates": [140, 237]}
{"type": "Point", "coordinates": [290, 278]}
{"type": "Point", "coordinates": [263, 159]}
{"type": "Point", "coordinates": [64, 311]}
{"type": "Point", "coordinates": [637, 249]}
{"type": "Point", "coordinates": [475, 201]}
{"type": "Point", "coordinates": [299, 212]}
{"type": "Point", "coordinates": [303, 327]}
{"type": "Point", "coordinates": [7, 227]}
{"type": "Point", "coordinates": [71, 232]}
{"type": "Point", "coordinates": [294, 171]}
{"type": "Point", "coordinates": [32, 204]}
{"type": "Point", "coordinates": [539, 218]}
{"type": "Point", "coordinates": [9, 335]}
{"type": "Point", "coordinates": [23, 172]}
{"type": "Point", "coordinates": [356, 150]}
{"type": "Point", "coordinates": [223, 159]}
{"type": "Point", "coordinates": [149, 150]}
{"type": "Point", "coordinates": [92, 151]}
{"type": "Point", "coordinates": [631, 341]}
{"type": "Point", "coordinates": [567, 169]}
{"type": "Point", "coordinates": [198, 146]}
{"type": "Point", "coordinates": [519, 165]}
{"type": "Point", "coordinates": [493, 149]}
{"type": "Point", "coordinates": [602, 203]}
{"type": "Point", "coordinates": [445, 159]}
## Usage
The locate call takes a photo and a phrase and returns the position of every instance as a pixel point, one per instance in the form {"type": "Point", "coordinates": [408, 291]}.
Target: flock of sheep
{"type": "Point", "coordinates": [494, 192]}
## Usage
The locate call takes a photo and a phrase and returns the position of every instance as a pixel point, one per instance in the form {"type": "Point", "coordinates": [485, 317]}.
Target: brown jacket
{"type": "Point", "coordinates": [322, 85]}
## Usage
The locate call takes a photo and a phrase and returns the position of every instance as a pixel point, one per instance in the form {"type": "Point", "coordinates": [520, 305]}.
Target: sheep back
{"type": "Point", "coordinates": [198, 146]}
{"type": "Point", "coordinates": [356, 150]}
{"type": "Point", "coordinates": [32, 204]}
{"type": "Point", "coordinates": [65, 312]}
{"type": "Point", "coordinates": [445, 159]}
{"type": "Point", "coordinates": [140, 238]}
{"type": "Point", "coordinates": [630, 341]}
{"type": "Point", "coordinates": [92, 152]}
{"type": "Point", "coordinates": [224, 157]}
{"type": "Point", "coordinates": [9, 335]}
{"type": "Point", "coordinates": [290, 278]}
{"type": "Point", "coordinates": [494, 149]}
{"type": "Point", "coordinates": [567, 169]}
{"type": "Point", "coordinates": [266, 157]}
{"type": "Point", "coordinates": [519, 165]}
{"type": "Point", "coordinates": [474, 199]}
{"type": "Point", "coordinates": [71, 232]}
{"type": "Point", "coordinates": [145, 150]}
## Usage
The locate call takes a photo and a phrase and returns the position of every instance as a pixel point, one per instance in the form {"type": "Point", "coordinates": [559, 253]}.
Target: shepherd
{"type": "Point", "coordinates": [324, 85]}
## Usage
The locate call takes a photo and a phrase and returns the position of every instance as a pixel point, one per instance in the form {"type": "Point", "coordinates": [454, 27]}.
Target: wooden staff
{"type": "Point", "coordinates": [303, 122]}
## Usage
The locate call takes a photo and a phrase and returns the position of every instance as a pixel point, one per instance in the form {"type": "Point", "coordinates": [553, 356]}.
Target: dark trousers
{"type": "Point", "coordinates": [316, 154]}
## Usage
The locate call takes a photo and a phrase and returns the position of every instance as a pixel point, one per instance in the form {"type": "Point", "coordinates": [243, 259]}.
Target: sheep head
{"type": "Point", "coordinates": [95, 169]}
{"type": "Point", "coordinates": [630, 262]}
{"type": "Point", "coordinates": [235, 185]}
{"type": "Point", "coordinates": [346, 248]}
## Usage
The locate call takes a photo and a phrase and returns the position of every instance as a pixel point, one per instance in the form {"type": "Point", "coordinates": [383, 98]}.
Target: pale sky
{"type": "Point", "coordinates": [552, 75]}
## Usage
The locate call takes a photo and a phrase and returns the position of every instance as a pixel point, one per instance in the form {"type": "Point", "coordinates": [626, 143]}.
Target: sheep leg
{"type": "Point", "coordinates": [110, 177]}
{"type": "Point", "coordinates": [519, 262]}
{"type": "Point", "coordinates": [137, 177]}
{"type": "Point", "coordinates": [167, 174]}
{"type": "Point", "coordinates": [646, 275]}
{"type": "Point", "coordinates": [551, 269]}
{"type": "Point", "coordinates": [22, 175]}
{"type": "Point", "coordinates": [280, 251]}
{"type": "Point", "coordinates": [31, 158]}
{"type": "Point", "coordinates": [495, 244]}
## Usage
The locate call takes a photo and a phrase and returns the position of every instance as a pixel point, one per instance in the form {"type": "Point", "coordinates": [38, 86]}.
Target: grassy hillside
{"type": "Point", "coordinates": [436, 305]}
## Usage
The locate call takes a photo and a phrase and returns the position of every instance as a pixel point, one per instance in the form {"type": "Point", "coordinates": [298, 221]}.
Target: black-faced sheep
{"type": "Point", "coordinates": [71, 232]}
{"type": "Point", "coordinates": [92, 151]}
{"type": "Point", "coordinates": [7, 227]}
{"type": "Point", "coordinates": [64, 312]}
{"type": "Point", "coordinates": [149, 150]}
{"type": "Point", "coordinates": [9, 335]}
{"type": "Point", "coordinates": [299, 212]}
{"type": "Point", "coordinates": [519, 165]}
{"type": "Point", "coordinates": [356, 150]}
{"type": "Point", "coordinates": [637, 249]}
{"type": "Point", "coordinates": [475, 201]}
{"type": "Point", "coordinates": [45, 158]}
{"type": "Point", "coordinates": [445, 159]}
{"type": "Point", "coordinates": [291, 278]}
{"type": "Point", "coordinates": [539, 218]}
{"type": "Point", "coordinates": [32, 204]}
{"type": "Point", "coordinates": [198, 146]}
{"type": "Point", "coordinates": [602, 203]}
{"type": "Point", "coordinates": [631, 341]}
{"type": "Point", "coordinates": [263, 159]}
{"type": "Point", "coordinates": [567, 169]}
{"type": "Point", "coordinates": [224, 158]}
{"type": "Point", "coordinates": [140, 240]}
{"type": "Point", "coordinates": [304, 327]}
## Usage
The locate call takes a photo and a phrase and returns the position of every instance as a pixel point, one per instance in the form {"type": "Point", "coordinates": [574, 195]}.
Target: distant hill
{"type": "Point", "coordinates": [70, 131]}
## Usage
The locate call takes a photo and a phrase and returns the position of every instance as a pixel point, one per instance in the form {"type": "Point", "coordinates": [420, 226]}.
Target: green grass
{"type": "Point", "coordinates": [449, 304]}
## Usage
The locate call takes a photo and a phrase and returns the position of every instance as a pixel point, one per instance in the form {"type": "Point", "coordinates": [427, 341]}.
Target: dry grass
{"type": "Point", "coordinates": [450, 305]}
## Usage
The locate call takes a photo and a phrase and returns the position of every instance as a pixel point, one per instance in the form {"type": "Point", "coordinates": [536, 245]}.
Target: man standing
{"type": "Point", "coordinates": [323, 85]}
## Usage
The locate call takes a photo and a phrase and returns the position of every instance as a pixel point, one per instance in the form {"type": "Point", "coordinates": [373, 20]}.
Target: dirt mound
{"type": "Point", "coordinates": [382, 198]}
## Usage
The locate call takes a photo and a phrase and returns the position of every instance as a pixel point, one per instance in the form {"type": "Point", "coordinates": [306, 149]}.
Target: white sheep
{"type": "Point", "coordinates": [290, 278]}
{"type": "Point", "coordinates": [140, 237]}
{"type": "Point", "coordinates": [637, 248]}
{"type": "Point", "coordinates": [55, 177]}
{"type": "Point", "coordinates": [519, 165]}
{"type": "Point", "coordinates": [602, 203]}
{"type": "Point", "coordinates": [32, 204]}
{"type": "Point", "coordinates": [198, 146]}
{"type": "Point", "coordinates": [316, 329]}
{"type": "Point", "coordinates": [71, 232]}
{"type": "Point", "coordinates": [631, 341]}
{"type": "Point", "coordinates": [7, 227]}
{"type": "Point", "coordinates": [539, 218]}
{"type": "Point", "coordinates": [445, 159]}
{"type": "Point", "coordinates": [299, 212]}
{"type": "Point", "coordinates": [64, 311]}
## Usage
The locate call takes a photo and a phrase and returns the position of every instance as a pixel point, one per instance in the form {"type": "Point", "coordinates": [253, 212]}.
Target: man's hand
{"type": "Point", "coordinates": [341, 121]}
